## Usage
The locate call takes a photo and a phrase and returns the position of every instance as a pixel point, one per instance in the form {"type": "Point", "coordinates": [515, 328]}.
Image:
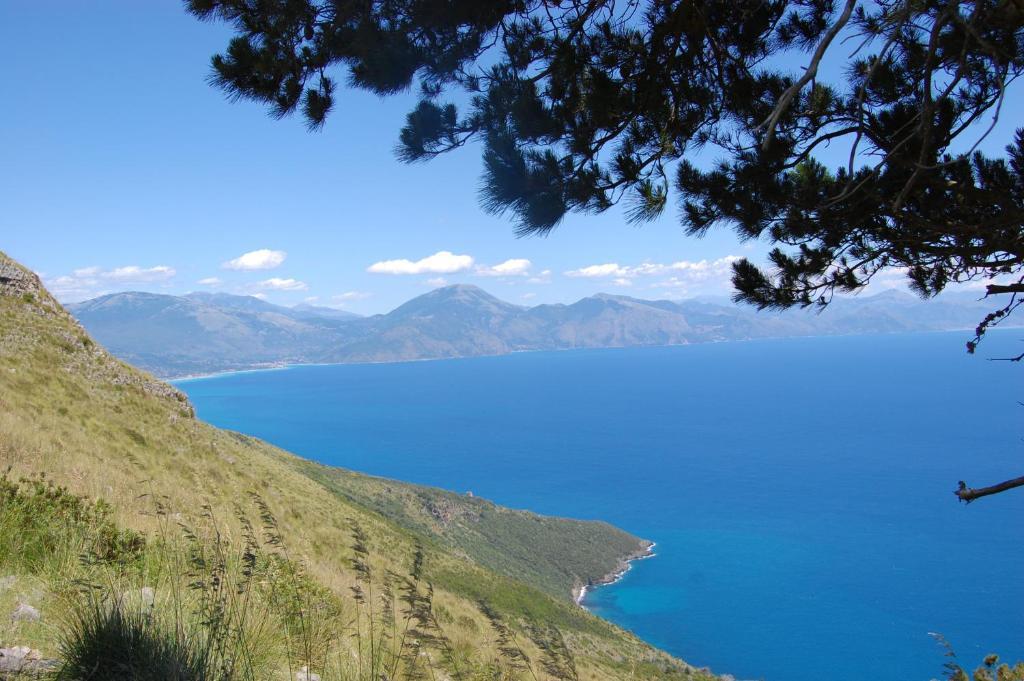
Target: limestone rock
{"type": "Point", "coordinates": [16, 280]}
{"type": "Point", "coordinates": [25, 613]}
{"type": "Point", "coordinates": [22, 659]}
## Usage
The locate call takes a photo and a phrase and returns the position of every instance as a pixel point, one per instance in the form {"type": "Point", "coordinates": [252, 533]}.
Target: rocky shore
{"type": "Point", "coordinates": [645, 550]}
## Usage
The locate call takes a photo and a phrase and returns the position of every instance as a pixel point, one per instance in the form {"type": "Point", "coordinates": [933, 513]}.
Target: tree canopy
{"type": "Point", "coordinates": [580, 105]}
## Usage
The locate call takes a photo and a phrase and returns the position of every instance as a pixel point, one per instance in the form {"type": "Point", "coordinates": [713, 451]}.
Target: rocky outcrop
{"type": "Point", "coordinates": [447, 511]}
{"type": "Point", "coordinates": [22, 661]}
{"type": "Point", "coordinates": [25, 613]}
{"type": "Point", "coordinates": [81, 354]}
{"type": "Point", "coordinates": [645, 550]}
{"type": "Point", "coordinates": [16, 280]}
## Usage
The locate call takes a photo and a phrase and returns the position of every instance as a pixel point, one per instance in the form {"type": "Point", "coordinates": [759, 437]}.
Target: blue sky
{"type": "Point", "coordinates": [121, 169]}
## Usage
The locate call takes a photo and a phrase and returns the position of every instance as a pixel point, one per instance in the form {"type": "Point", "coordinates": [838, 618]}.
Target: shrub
{"type": "Point", "coordinates": [107, 642]}
{"type": "Point", "coordinates": [40, 521]}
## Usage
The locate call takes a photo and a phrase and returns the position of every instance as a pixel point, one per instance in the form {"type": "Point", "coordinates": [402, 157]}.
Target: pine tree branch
{"type": "Point", "coordinates": [810, 72]}
{"type": "Point", "coordinates": [968, 494]}
{"type": "Point", "coordinates": [1018, 358]}
{"type": "Point", "coordinates": [993, 289]}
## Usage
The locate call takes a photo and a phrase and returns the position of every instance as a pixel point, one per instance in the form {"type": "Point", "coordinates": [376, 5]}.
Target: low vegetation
{"type": "Point", "coordinates": [144, 469]}
{"type": "Point", "coordinates": [189, 603]}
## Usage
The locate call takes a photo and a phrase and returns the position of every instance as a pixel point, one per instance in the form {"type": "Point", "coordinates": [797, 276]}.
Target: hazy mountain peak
{"type": "Point", "coordinates": [894, 294]}
{"type": "Point", "coordinates": [618, 298]}
{"type": "Point", "coordinates": [460, 287]}
{"type": "Point", "coordinates": [450, 297]}
{"type": "Point", "coordinates": [324, 311]}
{"type": "Point", "coordinates": [126, 303]}
{"type": "Point", "coordinates": [231, 301]}
{"type": "Point", "coordinates": [465, 291]}
{"type": "Point", "coordinates": [205, 332]}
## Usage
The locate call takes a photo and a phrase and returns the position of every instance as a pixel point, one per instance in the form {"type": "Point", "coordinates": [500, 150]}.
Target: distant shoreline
{"type": "Point", "coordinates": [278, 366]}
{"type": "Point", "coordinates": [646, 550]}
{"type": "Point", "coordinates": [228, 372]}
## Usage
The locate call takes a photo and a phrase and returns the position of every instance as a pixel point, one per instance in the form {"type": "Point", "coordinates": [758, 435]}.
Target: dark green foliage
{"type": "Point", "coordinates": [582, 104]}
{"type": "Point", "coordinates": [106, 642]}
{"type": "Point", "coordinates": [39, 519]}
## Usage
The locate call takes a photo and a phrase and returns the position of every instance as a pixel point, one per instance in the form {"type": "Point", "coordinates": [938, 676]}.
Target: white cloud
{"type": "Point", "coordinates": [278, 284]}
{"type": "Point", "coordinates": [436, 282]}
{"type": "Point", "coordinates": [261, 296]}
{"type": "Point", "coordinates": [89, 282]}
{"type": "Point", "coordinates": [310, 299]}
{"type": "Point", "coordinates": [209, 281]}
{"type": "Point", "coordinates": [682, 275]}
{"type": "Point", "coordinates": [514, 267]}
{"type": "Point", "coordinates": [351, 295]}
{"type": "Point", "coordinates": [442, 262]}
{"type": "Point", "coordinates": [134, 273]}
{"type": "Point", "coordinates": [528, 296]}
{"type": "Point", "coordinates": [694, 269]}
{"type": "Point", "coordinates": [542, 278]}
{"type": "Point", "coordinates": [890, 278]}
{"type": "Point", "coordinates": [262, 259]}
{"type": "Point", "coordinates": [705, 268]}
{"type": "Point", "coordinates": [72, 289]}
{"type": "Point", "coordinates": [702, 276]}
{"type": "Point", "coordinates": [606, 270]}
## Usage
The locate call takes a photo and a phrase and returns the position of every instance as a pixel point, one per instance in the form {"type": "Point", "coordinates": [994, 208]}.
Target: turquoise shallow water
{"type": "Point", "coordinates": [799, 490]}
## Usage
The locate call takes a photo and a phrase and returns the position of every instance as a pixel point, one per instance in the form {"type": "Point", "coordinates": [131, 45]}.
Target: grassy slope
{"type": "Point", "coordinates": [106, 430]}
{"type": "Point", "coordinates": [553, 554]}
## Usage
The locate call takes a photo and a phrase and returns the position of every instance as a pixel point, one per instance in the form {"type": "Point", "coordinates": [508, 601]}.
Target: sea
{"type": "Point", "coordinates": [800, 491]}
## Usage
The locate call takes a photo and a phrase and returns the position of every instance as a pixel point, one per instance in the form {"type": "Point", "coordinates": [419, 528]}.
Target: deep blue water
{"type": "Point", "coordinates": [799, 490]}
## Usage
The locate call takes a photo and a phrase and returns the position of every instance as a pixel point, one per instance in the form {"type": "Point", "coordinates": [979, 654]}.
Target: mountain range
{"type": "Point", "coordinates": [211, 332]}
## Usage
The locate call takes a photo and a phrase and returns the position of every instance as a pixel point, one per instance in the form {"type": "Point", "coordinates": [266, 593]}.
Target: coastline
{"type": "Point", "coordinates": [278, 366]}
{"type": "Point", "coordinates": [226, 372]}
{"type": "Point", "coordinates": [646, 550]}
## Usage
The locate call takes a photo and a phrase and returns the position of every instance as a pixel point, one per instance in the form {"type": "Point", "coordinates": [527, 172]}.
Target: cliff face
{"type": "Point", "coordinates": [86, 420]}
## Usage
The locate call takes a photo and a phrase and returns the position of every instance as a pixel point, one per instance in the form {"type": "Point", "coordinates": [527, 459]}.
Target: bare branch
{"type": "Point", "coordinates": [968, 494]}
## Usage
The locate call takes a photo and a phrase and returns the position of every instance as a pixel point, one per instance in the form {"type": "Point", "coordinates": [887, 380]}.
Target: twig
{"type": "Point", "coordinates": [968, 494]}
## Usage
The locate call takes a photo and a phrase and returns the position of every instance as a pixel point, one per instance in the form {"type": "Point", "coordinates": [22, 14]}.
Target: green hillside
{"type": "Point", "coordinates": [554, 554]}
{"type": "Point", "coordinates": [327, 568]}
